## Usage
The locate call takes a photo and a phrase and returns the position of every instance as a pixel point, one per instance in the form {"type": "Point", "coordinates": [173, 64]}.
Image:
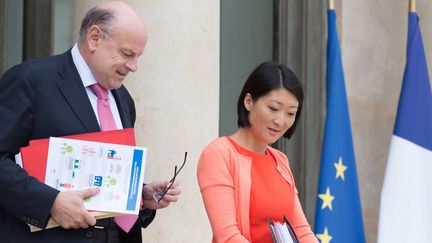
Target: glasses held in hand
{"type": "Point", "coordinates": [158, 196]}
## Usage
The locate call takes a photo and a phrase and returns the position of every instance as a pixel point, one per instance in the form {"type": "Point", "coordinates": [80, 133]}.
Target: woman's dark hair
{"type": "Point", "coordinates": [267, 77]}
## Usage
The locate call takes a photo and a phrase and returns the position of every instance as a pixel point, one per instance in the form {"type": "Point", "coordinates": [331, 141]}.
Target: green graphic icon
{"type": "Point", "coordinates": [76, 164]}
{"type": "Point", "coordinates": [111, 181]}
{"type": "Point", "coordinates": [66, 149]}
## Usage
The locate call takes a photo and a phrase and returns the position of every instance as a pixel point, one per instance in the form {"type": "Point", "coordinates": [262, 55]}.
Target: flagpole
{"type": "Point", "coordinates": [412, 5]}
{"type": "Point", "coordinates": [331, 4]}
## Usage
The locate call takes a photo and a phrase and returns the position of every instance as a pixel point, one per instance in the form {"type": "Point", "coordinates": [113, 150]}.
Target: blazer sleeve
{"type": "Point", "coordinates": [21, 195]}
{"type": "Point", "coordinates": [299, 223]}
{"type": "Point", "coordinates": [217, 189]}
{"type": "Point", "coordinates": [297, 218]}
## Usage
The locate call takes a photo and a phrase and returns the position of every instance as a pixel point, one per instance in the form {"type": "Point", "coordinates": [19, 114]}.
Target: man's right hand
{"type": "Point", "coordinates": [68, 209]}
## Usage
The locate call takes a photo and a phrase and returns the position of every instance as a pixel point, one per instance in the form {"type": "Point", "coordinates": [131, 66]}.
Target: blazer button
{"type": "Point", "coordinates": [89, 234]}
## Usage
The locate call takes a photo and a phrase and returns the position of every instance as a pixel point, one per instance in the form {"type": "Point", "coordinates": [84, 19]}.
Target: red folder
{"type": "Point", "coordinates": [34, 157]}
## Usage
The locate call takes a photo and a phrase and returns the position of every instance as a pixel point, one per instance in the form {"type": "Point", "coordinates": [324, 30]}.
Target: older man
{"type": "Point", "coordinates": [59, 96]}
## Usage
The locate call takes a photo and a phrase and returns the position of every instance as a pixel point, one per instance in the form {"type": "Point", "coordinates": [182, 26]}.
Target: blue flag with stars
{"type": "Point", "coordinates": [338, 217]}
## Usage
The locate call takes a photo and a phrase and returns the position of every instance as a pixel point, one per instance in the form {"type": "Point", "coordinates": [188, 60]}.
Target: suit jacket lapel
{"type": "Point", "coordinates": [72, 88]}
{"type": "Point", "coordinates": [122, 107]}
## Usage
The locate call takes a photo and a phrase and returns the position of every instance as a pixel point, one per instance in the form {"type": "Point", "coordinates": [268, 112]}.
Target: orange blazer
{"type": "Point", "coordinates": [224, 177]}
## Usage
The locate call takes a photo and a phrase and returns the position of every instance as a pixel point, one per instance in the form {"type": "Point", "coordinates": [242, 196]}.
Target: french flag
{"type": "Point", "coordinates": [406, 196]}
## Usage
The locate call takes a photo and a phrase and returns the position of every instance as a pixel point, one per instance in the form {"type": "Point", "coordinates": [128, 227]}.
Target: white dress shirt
{"type": "Point", "coordinates": [88, 79]}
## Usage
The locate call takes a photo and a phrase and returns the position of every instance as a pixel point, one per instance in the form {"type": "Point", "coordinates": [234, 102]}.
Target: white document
{"type": "Point", "coordinates": [282, 233]}
{"type": "Point", "coordinates": [118, 170]}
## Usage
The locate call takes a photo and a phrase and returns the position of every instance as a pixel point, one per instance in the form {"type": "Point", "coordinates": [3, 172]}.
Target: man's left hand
{"type": "Point", "coordinates": [156, 186]}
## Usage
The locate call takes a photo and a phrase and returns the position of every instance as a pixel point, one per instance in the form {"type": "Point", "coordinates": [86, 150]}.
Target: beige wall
{"type": "Point", "coordinates": [373, 35]}
{"type": "Point", "coordinates": [176, 92]}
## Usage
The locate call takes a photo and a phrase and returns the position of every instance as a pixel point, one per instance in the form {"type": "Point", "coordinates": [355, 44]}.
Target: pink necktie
{"type": "Point", "coordinates": [107, 123]}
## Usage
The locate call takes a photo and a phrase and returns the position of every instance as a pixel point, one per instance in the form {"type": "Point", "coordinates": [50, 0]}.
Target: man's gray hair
{"type": "Point", "coordinates": [101, 17]}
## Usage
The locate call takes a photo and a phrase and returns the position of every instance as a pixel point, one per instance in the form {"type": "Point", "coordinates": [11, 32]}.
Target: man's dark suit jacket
{"type": "Point", "coordinates": [39, 99]}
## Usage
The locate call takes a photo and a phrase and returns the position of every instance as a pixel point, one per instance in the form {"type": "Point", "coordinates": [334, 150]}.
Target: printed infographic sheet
{"type": "Point", "coordinates": [118, 170]}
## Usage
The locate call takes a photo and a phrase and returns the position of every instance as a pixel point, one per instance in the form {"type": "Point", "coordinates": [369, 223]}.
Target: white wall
{"type": "Point", "coordinates": [176, 92]}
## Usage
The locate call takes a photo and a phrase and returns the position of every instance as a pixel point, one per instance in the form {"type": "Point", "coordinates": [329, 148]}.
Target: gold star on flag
{"type": "Point", "coordinates": [327, 199]}
{"type": "Point", "coordinates": [324, 237]}
{"type": "Point", "coordinates": [340, 169]}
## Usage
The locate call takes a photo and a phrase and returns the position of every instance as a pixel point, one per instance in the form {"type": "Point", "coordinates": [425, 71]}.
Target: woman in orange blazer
{"type": "Point", "coordinates": [244, 182]}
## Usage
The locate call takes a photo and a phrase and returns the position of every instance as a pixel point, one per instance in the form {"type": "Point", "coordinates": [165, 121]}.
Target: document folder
{"type": "Point", "coordinates": [34, 156]}
{"type": "Point", "coordinates": [34, 159]}
{"type": "Point", "coordinates": [282, 233]}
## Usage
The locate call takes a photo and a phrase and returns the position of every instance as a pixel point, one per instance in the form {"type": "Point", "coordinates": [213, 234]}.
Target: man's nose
{"type": "Point", "coordinates": [132, 64]}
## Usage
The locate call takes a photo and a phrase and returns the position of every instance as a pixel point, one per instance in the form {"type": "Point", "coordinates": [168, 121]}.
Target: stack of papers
{"type": "Point", "coordinates": [282, 232]}
{"type": "Point", "coordinates": [74, 164]}
{"type": "Point", "coordinates": [96, 214]}
{"type": "Point", "coordinates": [33, 158]}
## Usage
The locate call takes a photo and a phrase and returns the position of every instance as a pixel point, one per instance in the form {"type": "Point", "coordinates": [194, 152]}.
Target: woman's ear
{"type": "Point", "coordinates": [248, 101]}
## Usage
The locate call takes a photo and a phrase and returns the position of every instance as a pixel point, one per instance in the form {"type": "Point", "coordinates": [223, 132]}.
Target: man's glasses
{"type": "Point", "coordinates": [160, 194]}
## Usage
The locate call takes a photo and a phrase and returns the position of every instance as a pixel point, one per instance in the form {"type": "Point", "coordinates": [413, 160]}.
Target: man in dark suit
{"type": "Point", "coordinates": [53, 97]}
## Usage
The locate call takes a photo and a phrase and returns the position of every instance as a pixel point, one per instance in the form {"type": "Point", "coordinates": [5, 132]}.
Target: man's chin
{"type": "Point", "coordinates": [116, 84]}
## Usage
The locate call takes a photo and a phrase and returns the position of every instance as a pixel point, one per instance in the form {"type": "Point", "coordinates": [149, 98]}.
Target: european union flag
{"type": "Point", "coordinates": [338, 216]}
